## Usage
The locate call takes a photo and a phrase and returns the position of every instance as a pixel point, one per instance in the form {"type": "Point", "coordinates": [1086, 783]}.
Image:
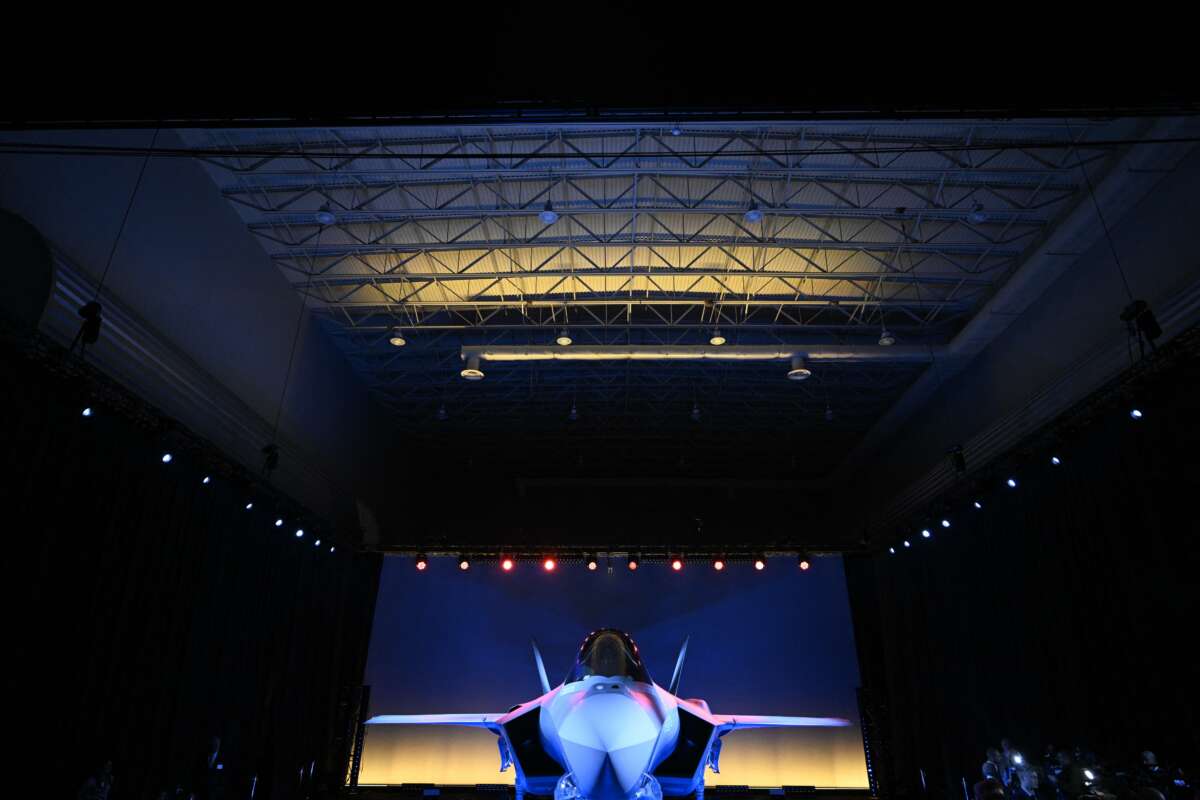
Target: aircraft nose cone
{"type": "Point", "coordinates": [608, 741]}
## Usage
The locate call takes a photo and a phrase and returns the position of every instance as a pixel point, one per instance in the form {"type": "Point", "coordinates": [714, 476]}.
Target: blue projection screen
{"type": "Point", "coordinates": [779, 641]}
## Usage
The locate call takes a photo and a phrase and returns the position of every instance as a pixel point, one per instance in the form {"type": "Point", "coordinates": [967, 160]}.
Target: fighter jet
{"type": "Point", "coordinates": [609, 732]}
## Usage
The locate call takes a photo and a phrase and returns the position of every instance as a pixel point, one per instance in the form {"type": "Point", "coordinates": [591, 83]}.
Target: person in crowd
{"type": "Point", "coordinates": [993, 766]}
{"type": "Point", "coordinates": [989, 789]}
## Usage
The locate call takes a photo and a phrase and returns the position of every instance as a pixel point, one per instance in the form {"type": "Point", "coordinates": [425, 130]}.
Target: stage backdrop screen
{"type": "Point", "coordinates": [779, 641]}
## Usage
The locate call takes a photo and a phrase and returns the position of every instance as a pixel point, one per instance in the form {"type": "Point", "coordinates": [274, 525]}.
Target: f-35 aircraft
{"type": "Point", "coordinates": [608, 732]}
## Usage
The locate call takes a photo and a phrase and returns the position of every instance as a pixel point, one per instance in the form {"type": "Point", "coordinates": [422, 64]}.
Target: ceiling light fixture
{"type": "Point", "coordinates": [676, 130]}
{"type": "Point", "coordinates": [798, 371]}
{"type": "Point", "coordinates": [719, 563]}
{"type": "Point", "coordinates": [564, 338]}
{"type": "Point", "coordinates": [421, 562]}
{"type": "Point", "coordinates": [803, 562]}
{"type": "Point", "coordinates": [397, 338]}
{"type": "Point", "coordinates": [548, 215]}
{"type": "Point", "coordinates": [472, 371]}
{"type": "Point", "coordinates": [754, 213]}
{"type": "Point", "coordinates": [632, 563]}
{"type": "Point", "coordinates": [887, 338]}
{"type": "Point", "coordinates": [716, 340]}
{"type": "Point", "coordinates": [324, 216]}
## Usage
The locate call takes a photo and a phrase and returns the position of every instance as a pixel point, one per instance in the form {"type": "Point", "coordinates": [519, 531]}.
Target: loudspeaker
{"type": "Point", "coordinates": [26, 272]}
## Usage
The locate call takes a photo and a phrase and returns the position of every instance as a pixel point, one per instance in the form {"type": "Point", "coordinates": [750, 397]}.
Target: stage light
{"type": "Point", "coordinates": [754, 213]}
{"type": "Point", "coordinates": [564, 338]}
{"type": "Point", "coordinates": [945, 523]}
{"type": "Point", "coordinates": [167, 458]}
{"type": "Point", "coordinates": [317, 543]}
{"type": "Point", "coordinates": [591, 563]}
{"type": "Point", "coordinates": [507, 564]}
{"type": "Point", "coordinates": [978, 504]}
{"type": "Point", "coordinates": [1017, 759]}
{"type": "Point", "coordinates": [892, 550]}
{"type": "Point", "coordinates": [421, 562]}
{"type": "Point", "coordinates": [716, 340]}
{"type": "Point", "coordinates": [279, 522]}
{"type": "Point", "coordinates": [760, 563]}
{"type": "Point", "coordinates": [87, 412]}
{"type": "Point", "coordinates": [332, 547]}
{"type": "Point", "coordinates": [718, 564]}
{"type": "Point", "coordinates": [299, 533]}
{"type": "Point", "coordinates": [1135, 413]}
{"type": "Point", "coordinates": [907, 543]}
{"type": "Point", "coordinates": [633, 563]}
{"type": "Point", "coordinates": [803, 563]}
{"type": "Point", "coordinates": [926, 533]}
{"type": "Point", "coordinates": [798, 371]}
{"type": "Point", "coordinates": [1012, 483]}
{"type": "Point", "coordinates": [397, 338]}
{"type": "Point", "coordinates": [549, 564]}
{"type": "Point", "coordinates": [676, 130]}
{"type": "Point", "coordinates": [1091, 776]}
{"type": "Point", "coordinates": [677, 564]}
{"type": "Point", "coordinates": [249, 505]}
{"type": "Point", "coordinates": [207, 480]}
{"type": "Point", "coordinates": [464, 563]}
{"type": "Point", "coordinates": [1055, 460]}
{"type": "Point", "coordinates": [472, 370]}
{"type": "Point", "coordinates": [887, 338]}
{"type": "Point", "coordinates": [977, 216]}
{"type": "Point", "coordinates": [548, 215]}
{"type": "Point", "coordinates": [325, 216]}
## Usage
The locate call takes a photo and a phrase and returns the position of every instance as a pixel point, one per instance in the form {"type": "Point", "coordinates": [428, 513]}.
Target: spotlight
{"type": "Point", "coordinates": [299, 533]}
{"type": "Point", "coordinates": [549, 564]}
{"type": "Point", "coordinates": [887, 338]}
{"type": "Point", "coordinates": [676, 130]}
{"type": "Point", "coordinates": [472, 371]}
{"type": "Point", "coordinates": [250, 505]}
{"type": "Point", "coordinates": [564, 338]}
{"type": "Point", "coordinates": [317, 543]}
{"type": "Point", "coordinates": [325, 216]}
{"type": "Point", "coordinates": [798, 371]}
{"type": "Point", "coordinates": [1091, 776]}
{"type": "Point", "coordinates": [803, 563]}
{"type": "Point", "coordinates": [892, 550]}
{"type": "Point", "coordinates": [695, 412]}
{"type": "Point", "coordinates": [548, 215]}
{"type": "Point", "coordinates": [507, 564]}
{"type": "Point", "coordinates": [463, 563]}
{"type": "Point", "coordinates": [977, 216]}
{"type": "Point", "coordinates": [907, 543]}
{"type": "Point", "coordinates": [1012, 483]}
{"type": "Point", "coordinates": [926, 533]}
{"type": "Point", "coordinates": [1135, 413]}
{"type": "Point", "coordinates": [167, 458]}
{"type": "Point", "coordinates": [279, 522]}
{"type": "Point", "coordinates": [1018, 759]}
{"type": "Point", "coordinates": [945, 523]}
{"type": "Point", "coordinates": [718, 564]}
{"type": "Point", "coordinates": [716, 339]}
{"type": "Point", "coordinates": [87, 412]}
{"type": "Point", "coordinates": [332, 547]}
{"type": "Point", "coordinates": [677, 563]}
{"type": "Point", "coordinates": [591, 563]}
{"type": "Point", "coordinates": [1055, 460]}
{"type": "Point", "coordinates": [397, 339]}
{"type": "Point", "coordinates": [207, 480]}
{"type": "Point", "coordinates": [753, 213]}
{"type": "Point", "coordinates": [422, 562]}
{"type": "Point", "coordinates": [760, 563]}
{"type": "Point", "coordinates": [633, 563]}
{"type": "Point", "coordinates": [978, 504]}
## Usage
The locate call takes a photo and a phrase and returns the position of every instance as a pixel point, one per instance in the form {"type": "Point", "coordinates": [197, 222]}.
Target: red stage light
{"type": "Point", "coordinates": [549, 564]}
{"type": "Point", "coordinates": [677, 565]}
{"type": "Point", "coordinates": [506, 565]}
{"type": "Point", "coordinates": [421, 564]}
{"type": "Point", "coordinates": [633, 563]}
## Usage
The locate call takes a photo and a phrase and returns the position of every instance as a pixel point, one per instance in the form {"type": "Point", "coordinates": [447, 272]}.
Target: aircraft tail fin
{"type": "Point", "coordinates": [678, 673]}
{"type": "Point", "coordinates": [541, 667]}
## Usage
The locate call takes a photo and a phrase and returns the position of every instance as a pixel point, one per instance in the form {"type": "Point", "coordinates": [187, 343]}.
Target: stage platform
{"type": "Point", "coordinates": [413, 791]}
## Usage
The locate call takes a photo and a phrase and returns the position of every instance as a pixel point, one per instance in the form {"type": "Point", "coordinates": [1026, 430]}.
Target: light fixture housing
{"type": "Point", "coordinates": [754, 213]}
{"type": "Point", "coordinates": [716, 339]}
{"type": "Point", "coordinates": [676, 130]}
{"type": "Point", "coordinates": [472, 371]}
{"type": "Point", "coordinates": [548, 215]}
{"type": "Point", "coordinates": [977, 215]}
{"type": "Point", "coordinates": [397, 338]}
{"type": "Point", "coordinates": [886, 338]}
{"type": "Point", "coordinates": [324, 216]}
{"type": "Point", "coordinates": [564, 338]}
{"type": "Point", "coordinates": [798, 370]}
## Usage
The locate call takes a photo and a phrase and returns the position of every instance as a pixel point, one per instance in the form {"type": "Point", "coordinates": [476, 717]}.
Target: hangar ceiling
{"type": "Point", "coordinates": [801, 236]}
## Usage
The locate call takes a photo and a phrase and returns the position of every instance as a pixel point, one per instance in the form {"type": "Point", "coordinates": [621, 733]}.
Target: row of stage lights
{"type": "Point", "coordinates": [167, 458]}
{"type": "Point", "coordinates": [925, 530]}
{"type": "Point", "coordinates": [549, 563]}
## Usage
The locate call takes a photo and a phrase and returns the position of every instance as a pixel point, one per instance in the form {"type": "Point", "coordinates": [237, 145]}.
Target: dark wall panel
{"type": "Point", "coordinates": [151, 612]}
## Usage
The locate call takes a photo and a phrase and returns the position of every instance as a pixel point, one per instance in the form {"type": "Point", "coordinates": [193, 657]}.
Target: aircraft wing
{"type": "Point", "coordinates": [489, 721]}
{"type": "Point", "coordinates": [734, 722]}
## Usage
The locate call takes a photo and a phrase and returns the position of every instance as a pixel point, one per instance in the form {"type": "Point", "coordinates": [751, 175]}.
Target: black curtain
{"type": "Point", "coordinates": [1064, 612]}
{"type": "Point", "coordinates": [150, 612]}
